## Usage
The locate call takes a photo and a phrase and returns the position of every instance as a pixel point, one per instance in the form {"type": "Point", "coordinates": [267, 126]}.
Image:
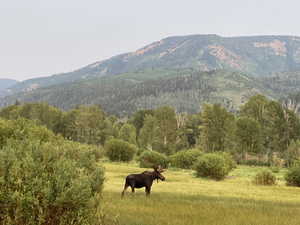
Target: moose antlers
{"type": "Point", "coordinates": [158, 169]}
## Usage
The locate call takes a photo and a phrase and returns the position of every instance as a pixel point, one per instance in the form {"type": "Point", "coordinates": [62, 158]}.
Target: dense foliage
{"type": "Point", "coordinates": [293, 176]}
{"type": "Point", "coordinates": [45, 179]}
{"type": "Point", "coordinates": [213, 165]}
{"type": "Point", "coordinates": [149, 159]}
{"type": "Point", "coordinates": [185, 159]}
{"type": "Point", "coordinates": [264, 132]}
{"type": "Point", "coordinates": [119, 150]}
{"type": "Point", "coordinates": [264, 177]}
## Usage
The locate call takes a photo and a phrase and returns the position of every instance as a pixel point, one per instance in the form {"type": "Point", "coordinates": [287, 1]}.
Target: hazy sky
{"type": "Point", "coordinates": [44, 37]}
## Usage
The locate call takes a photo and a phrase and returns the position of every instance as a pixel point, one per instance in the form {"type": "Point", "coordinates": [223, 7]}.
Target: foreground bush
{"type": "Point", "coordinates": [185, 159]}
{"type": "Point", "coordinates": [49, 183]}
{"type": "Point", "coordinates": [293, 176]}
{"type": "Point", "coordinates": [148, 159]}
{"type": "Point", "coordinates": [213, 165]}
{"type": "Point", "coordinates": [264, 177]}
{"type": "Point", "coordinates": [23, 129]}
{"type": "Point", "coordinates": [119, 150]}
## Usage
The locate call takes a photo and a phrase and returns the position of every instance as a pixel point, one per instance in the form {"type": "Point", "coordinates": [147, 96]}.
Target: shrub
{"type": "Point", "coordinates": [23, 129]}
{"type": "Point", "coordinates": [293, 176]}
{"type": "Point", "coordinates": [213, 165]}
{"type": "Point", "coordinates": [148, 159]}
{"type": "Point", "coordinates": [229, 160]}
{"type": "Point", "coordinates": [185, 159]}
{"type": "Point", "coordinates": [275, 169]}
{"type": "Point", "coordinates": [49, 183]}
{"type": "Point", "coordinates": [264, 177]}
{"type": "Point", "coordinates": [118, 150]}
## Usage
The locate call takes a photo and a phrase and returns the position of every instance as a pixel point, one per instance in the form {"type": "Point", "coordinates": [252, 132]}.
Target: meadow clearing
{"type": "Point", "coordinates": [184, 199]}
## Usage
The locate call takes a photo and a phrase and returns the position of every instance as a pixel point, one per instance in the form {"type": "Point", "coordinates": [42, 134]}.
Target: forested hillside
{"type": "Point", "coordinates": [185, 90]}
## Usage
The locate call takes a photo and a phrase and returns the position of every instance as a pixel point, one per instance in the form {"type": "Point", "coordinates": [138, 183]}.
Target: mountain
{"type": "Point", "coordinates": [255, 55]}
{"type": "Point", "coordinates": [5, 84]}
{"type": "Point", "coordinates": [183, 72]}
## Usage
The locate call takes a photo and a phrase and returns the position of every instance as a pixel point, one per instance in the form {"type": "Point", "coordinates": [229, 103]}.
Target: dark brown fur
{"type": "Point", "coordinates": [144, 179]}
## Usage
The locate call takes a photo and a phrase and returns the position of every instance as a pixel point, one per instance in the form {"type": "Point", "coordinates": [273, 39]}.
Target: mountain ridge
{"type": "Point", "coordinates": [255, 55]}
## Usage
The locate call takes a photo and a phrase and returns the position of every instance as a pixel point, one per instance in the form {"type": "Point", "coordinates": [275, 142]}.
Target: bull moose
{"type": "Point", "coordinates": [144, 179]}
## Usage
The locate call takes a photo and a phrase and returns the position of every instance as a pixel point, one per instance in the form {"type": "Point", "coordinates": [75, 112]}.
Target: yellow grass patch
{"type": "Point", "coordinates": [184, 199]}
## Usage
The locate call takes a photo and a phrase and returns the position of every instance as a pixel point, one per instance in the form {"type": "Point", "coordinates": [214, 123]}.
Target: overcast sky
{"type": "Point", "coordinates": [44, 37]}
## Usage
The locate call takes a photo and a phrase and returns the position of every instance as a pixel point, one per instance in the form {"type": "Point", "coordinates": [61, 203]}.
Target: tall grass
{"type": "Point", "coordinates": [184, 199]}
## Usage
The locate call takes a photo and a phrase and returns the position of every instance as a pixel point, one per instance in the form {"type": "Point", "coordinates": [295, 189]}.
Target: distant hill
{"type": "Point", "coordinates": [255, 55]}
{"type": "Point", "coordinates": [185, 90]}
{"type": "Point", "coordinates": [5, 84]}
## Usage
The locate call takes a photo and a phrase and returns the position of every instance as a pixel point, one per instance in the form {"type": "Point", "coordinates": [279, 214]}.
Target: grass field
{"type": "Point", "coordinates": [185, 199]}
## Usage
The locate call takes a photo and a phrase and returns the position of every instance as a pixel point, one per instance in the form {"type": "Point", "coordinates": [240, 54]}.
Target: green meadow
{"type": "Point", "coordinates": [184, 199]}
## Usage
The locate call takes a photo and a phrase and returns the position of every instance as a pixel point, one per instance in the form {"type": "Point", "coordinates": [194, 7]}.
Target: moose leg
{"type": "Point", "coordinates": [125, 187]}
{"type": "Point", "coordinates": [132, 189]}
{"type": "Point", "coordinates": [148, 190]}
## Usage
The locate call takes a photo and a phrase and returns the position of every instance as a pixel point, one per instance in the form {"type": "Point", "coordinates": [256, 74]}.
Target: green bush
{"type": "Point", "coordinates": [275, 169]}
{"type": "Point", "coordinates": [264, 177]}
{"type": "Point", "coordinates": [148, 159]}
{"type": "Point", "coordinates": [292, 177]}
{"type": "Point", "coordinates": [185, 159]}
{"type": "Point", "coordinates": [49, 183]}
{"type": "Point", "coordinates": [213, 165]}
{"type": "Point", "coordinates": [119, 150]}
{"type": "Point", "coordinates": [23, 129]}
{"type": "Point", "coordinates": [229, 160]}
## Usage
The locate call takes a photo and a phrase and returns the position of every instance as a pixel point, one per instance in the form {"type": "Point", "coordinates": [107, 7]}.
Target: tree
{"type": "Point", "coordinates": [217, 128]}
{"type": "Point", "coordinates": [189, 131]}
{"type": "Point", "coordinates": [292, 102]}
{"type": "Point", "coordinates": [256, 108]}
{"type": "Point", "coordinates": [138, 119]}
{"type": "Point", "coordinates": [11, 112]}
{"type": "Point", "coordinates": [279, 125]}
{"type": "Point", "coordinates": [85, 124]}
{"type": "Point", "coordinates": [42, 113]}
{"type": "Point", "coordinates": [292, 154]}
{"type": "Point", "coordinates": [167, 128]}
{"type": "Point", "coordinates": [149, 133]}
{"type": "Point", "coordinates": [248, 136]}
{"type": "Point", "coordinates": [128, 133]}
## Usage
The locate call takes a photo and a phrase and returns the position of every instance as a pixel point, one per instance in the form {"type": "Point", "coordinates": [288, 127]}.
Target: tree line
{"type": "Point", "coordinates": [263, 130]}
